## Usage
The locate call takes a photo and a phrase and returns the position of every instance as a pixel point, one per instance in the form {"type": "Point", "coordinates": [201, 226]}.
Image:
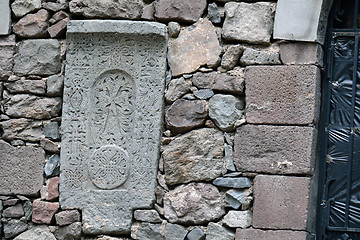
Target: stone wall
{"type": "Point", "coordinates": [239, 130]}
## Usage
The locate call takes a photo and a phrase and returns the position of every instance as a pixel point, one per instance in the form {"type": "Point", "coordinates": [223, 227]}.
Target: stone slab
{"type": "Point", "coordinates": [112, 118]}
{"type": "Point", "coordinates": [282, 94]}
{"type": "Point", "coordinates": [250, 234]}
{"type": "Point", "coordinates": [275, 149]}
{"type": "Point", "coordinates": [281, 202]}
{"type": "Point", "coordinates": [21, 169]}
{"type": "Point", "coordinates": [7, 47]}
{"type": "Point", "coordinates": [5, 17]}
{"type": "Point", "coordinates": [301, 20]}
{"type": "Point", "coordinates": [301, 53]}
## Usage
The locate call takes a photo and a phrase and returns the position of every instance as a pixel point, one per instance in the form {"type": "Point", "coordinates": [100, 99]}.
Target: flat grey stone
{"type": "Point", "coordinates": [40, 57]}
{"type": "Point", "coordinates": [22, 7]}
{"type": "Point", "coordinates": [237, 182]}
{"type": "Point", "coordinates": [27, 209]}
{"type": "Point", "coordinates": [7, 47]}
{"type": "Point", "coordinates": [55, 85]}
{"type": "Point", "coordinates": [214, 13]}
{"type": "Point", "coordinates": [15, 211]}
{"type": "Point", "coordinates": [5, 17]}
{"type": "Point", "coordinates": [238, 219]}
{"type": "Point", "coordinates": [21, 169]}
{"type": "Point", "coordinates": [72, 231]}
{"type": "Point", "coordinates": [147, 231]}
{"type": "Point", "coordinates": [24, 129]}
{"type": "Point", "coordinates": [204, 94]}
{"type": "Point", "coordinates": [175, 232]}
{"type": "Point", "coordinates": [111, 122]}
{"type": "Point", "coordinates": [56, 5]}
{"type": "Point", "coordinates": [51, 130]}
{"type": "Point", "coordinates": [229, 163]}
{"type": "Point", "coordinates": [301, 20]}
{"type": "Point", "coordinates": [151, 216]}
{"type": "Point", "coordinates": [38, 232]}
{"type": "Point", "coordinates": [235, 197]}
{"type": "Point", "coordinates": [196, 234]}
{"type": "Point", "coordinates": [176, 89]}
{"type": "Point", "coordinates": [217, 232]}
{"type": "Point", "coordinates": [259, 57]}
{"type": "Point", "coordinates": [14, 227]}
{"type": "Point", "coordinates": [26, 86]}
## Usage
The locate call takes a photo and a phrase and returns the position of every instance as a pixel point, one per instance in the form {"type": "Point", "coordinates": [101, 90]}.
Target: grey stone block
{"type": "Point", "coordinates": [281, 202]}
{"type": "Point", "coordinates": [282, 94]}
{"type": "Point", "coordinates": [196, 234]}
{"type": "Point", "coordinates": [52, 166]}
{"type": "Point", "coordinates": [22, 7]}
{"type": "Point", "coordinates": [5, 17]}
{"type": "Point", "coordinates": [217, 232]}
{"type": "Point", "coordinates": [51, 130]}
{"type": "Point", "coordinates": [40, 57]}
{"type": "Point", "coordinates": [251, 234]}
{"type": "Point", "coordinates": [175, 232]}
{"type": "Point", "coordinates": [23, 129]}
{"type": "Point", "coordinates": [236, 182]}
{"type": "Point", "coordinates": [7, 46]}
{"type": "Point", "coordinates": [21, 169]}
{"type": "Point", "coordinates": [54, 86]}
{"type": "Point", "coordinates": [14, 227]}
{"type": "Point", "coordinates": [111, 122]}
{"type": "Point", "coordinates": [151, 216]}
{"type": "Point", "coordinates": [275, 149]}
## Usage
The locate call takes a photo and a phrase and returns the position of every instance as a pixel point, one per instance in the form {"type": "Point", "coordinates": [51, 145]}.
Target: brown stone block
{"type": "Point", "coordinates": [251, 234]}
{"type": "Point", "coordinates": [21, 169]}
{"type": "Point", "coordinates": [301, 53]}
{"type": "Point", "coordinates": [281, 202]}
{"type": "Point", "coordinates": [282, 94]}
{"type": "Point", "coordinates": [43, 212]}
{"type": "Point", "coordinates": [275, 149]}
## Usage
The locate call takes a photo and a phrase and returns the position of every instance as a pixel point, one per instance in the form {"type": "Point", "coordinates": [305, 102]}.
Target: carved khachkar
{"type": "Point", "coordinates": [111, 123]}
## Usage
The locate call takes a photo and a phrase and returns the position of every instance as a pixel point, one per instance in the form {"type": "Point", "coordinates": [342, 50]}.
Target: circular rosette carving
{"type": "Point", "coordinates": [109, 167]}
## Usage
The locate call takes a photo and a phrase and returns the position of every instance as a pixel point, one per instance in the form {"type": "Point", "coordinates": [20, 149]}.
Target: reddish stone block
{"type": "Point", "coordinates": [301, 53]}
{"type": "Point", "coordinates": [275, 149]}
{"type": "Point", "coordinates": [282, 94]}
{"type": "Point", "coordinates": [251, 234]}
{"type": "Point", "coordinates": [53, 189]}
{"type": "Point", "coordinates": [281, 202]}
{"type": "Point", "coordinates": [43, 212]}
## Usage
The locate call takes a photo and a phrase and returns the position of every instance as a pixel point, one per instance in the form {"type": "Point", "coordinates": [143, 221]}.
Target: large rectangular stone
{"type": "Point", "coordinates": [7, 46]}
{"type": "Point", "coordinates": [282, 94]}
{"type": "Point", "coordinates": [281, 202]}
{"type": "Point", "coordinates": [301, 20]}
{"type": "Point", "coordinates": [275, 149]}
{"type": "Point", "coordinates": [112, 118]}
{"type": "Point", "coordinates": [5, 17]}
{"type": "Point", "coordinates": [251, 234]}
{"type": "Point", "coordinates": [21, 169]}
{"type": "Point", "coordinates": [301, 53]}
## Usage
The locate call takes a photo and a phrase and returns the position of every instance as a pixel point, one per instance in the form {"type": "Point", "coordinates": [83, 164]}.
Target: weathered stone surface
{"type": "Point", "coordinates": [30, 106]}
{"type": "Point", "coordinates": [186, 11]}
{"type": "Point", "coordinates": [50, 146]}
{"type": "Point", "coordinates": [250, 234]}
{"type": "Point", "coordinates": [67, 217]}
{"type": "Point", "coordinates": [16, 211]}
{"type": "Point", "coordinates": [21, 169]}
{"type": "Point", "coordinates": [184, 115]}
{"type": "Point", "coordinates": [151, 216]}
{"type": "Point", "coordinates": [220, 82]}
{"type": "Point", "coordinates": [217, 232]}
{"type": "Point", "coordinates": [56, 5]}
{"type": "Point", "coordinates": [214, 13]}
{"type": "Point", "coordinates": [7, 45]}
{"type": "Point", "coordinates": [57, 17]}
{"type": "Point", "coordinates": [148, 12]}
{"type": "Point", "coordinates": [248, 22]}
{"type": "Point", "coordinates": [51, 130]}
{"type": "Point", "coordinates": [55, 85]}
{"type": "Point", "coordinates": [229, 160]}
{"type": "Point", "coordinates": [26, 86]}
{"type": "Point", "coordinates": [38, 233]}
{"type": "Point", "coordinates": [282, 94]}
{"type": "Point", "coordinates": [236, 182]}
{"type": "Point", "coordinates": [195, 156]}
{"type": "Point", "coordinates": [24, 129]}
{"type": "Point", "coordinates": [175, 232]}
{"type": "Point", "coordinates": [125, 9]}
{"type": "Point", "coordinates": [176, 89]}
{"type": "Point", "coordinates": [259, 57]}
{"type": "Point", "coordinates": [301, 53]}
{"type": "Point", "coordinates": [50, 191]}
{"type": "Point", "coordinates": [22, 7]}
{"type": "Point", "coordinates": [225, 110]}
{"type": "Point", "coordinates": [33, 25]}
{"type": "Point", "coordinates": [238, 219]}
{"type": "Point", "coordinates": [14, 227]}
{"type": "Point", "coordinates": [116, 171]}
{"type": "Point", "coordinates": [234, 197]}
{"type": "Point", "coordinates": [195, 203]}
{"type": "Point", "coordinates": [281, 202]}
{"type": "Point", "coordinates": [196, 234]}
{"type": "Point", "coordinates": [43, 212]}
{"type": "Point", "coordinates": [40, 57]}
{"type": "Point", "coordinates": [58, 28]}
{"type": "Point", "coordinates": [52, 166]}
{"type": "Point", "coordinates": [72, 231]}
{"type": "Point", "coordinates": [275, 149]}
{"type": "Point", "coordinates": [204, 94]}
{"type": "Point", "coordinates": [147, 231]}
{"type": "Point", "coordinates": [301, 20]}
{"type": "Point", "coordinates": [173, 29]}
{"type": "Point", "coordinates": [195, 46]}
{"type": "Point", "coordinates": [28, 210]}
{"type": "Point", "coordinates": [231, 57]}
{"type": "Point", "coordinates": [5, 20]}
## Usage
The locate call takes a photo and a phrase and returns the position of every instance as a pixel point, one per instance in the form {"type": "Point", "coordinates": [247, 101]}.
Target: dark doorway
{"type": "Point", "coordinates": [339, 204]}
